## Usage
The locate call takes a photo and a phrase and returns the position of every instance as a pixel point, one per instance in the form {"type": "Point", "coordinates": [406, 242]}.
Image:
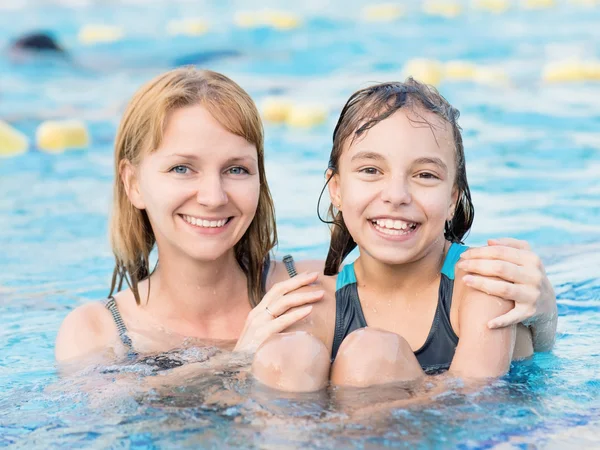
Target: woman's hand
{"type": "Point", "coordinates": [280, 308]}
{"type": "Point", "coordinates": [507, 268]}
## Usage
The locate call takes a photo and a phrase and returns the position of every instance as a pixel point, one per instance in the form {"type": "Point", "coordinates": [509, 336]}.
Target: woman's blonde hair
{"type": "Point", "coordinates": [141, 131]}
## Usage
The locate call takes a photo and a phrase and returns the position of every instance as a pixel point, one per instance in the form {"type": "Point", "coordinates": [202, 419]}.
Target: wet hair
{"type": "Point", "coordinates": [365, 109]}
{"type": "Point", "coordinates": [141, 131]}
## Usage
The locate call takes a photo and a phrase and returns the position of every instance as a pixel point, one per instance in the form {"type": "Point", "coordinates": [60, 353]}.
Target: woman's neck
{"type": "Point", "coordinates": [201, 299]}
{"type": "Point", "coordinates": [404, 279]}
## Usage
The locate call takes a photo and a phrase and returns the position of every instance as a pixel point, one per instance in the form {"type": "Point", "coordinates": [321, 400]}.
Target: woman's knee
{"type": "Point", "coordinates": [295, 361]}
{"type": "Point", "coordinates": [371, 356]}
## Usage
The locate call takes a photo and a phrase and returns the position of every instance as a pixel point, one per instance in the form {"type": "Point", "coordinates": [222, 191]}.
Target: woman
{"type": "Point", "coordinates": [190, 181]}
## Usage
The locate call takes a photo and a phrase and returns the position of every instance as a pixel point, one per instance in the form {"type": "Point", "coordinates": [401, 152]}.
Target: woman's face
{"type": "Point", "coordinates": [395, 185]}
{"type": "Point", "coordinates": [200, 188]}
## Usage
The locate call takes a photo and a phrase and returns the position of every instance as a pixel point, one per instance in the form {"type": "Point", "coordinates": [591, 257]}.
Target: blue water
{"type": "Point", "coordinates": [533, 160]}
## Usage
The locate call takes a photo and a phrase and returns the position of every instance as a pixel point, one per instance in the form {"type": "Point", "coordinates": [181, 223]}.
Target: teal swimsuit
{"type": "Point", "coordinates": [438, 350]}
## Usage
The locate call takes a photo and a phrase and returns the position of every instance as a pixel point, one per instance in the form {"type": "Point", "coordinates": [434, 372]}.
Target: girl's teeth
{"type": "Point", "coordinates": [393, 224]}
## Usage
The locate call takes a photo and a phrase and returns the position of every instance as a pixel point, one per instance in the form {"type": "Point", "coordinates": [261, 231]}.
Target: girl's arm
{"type": "Point", "coordinates": [482, 352]}
{"type": "Point", "coordinates": [508, 269]}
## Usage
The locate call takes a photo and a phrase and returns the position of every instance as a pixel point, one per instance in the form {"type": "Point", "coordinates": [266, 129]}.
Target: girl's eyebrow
{"type": "Point", "coordinates": [367, 155]}
{"type": "Point", "coordinates": [432, 160]}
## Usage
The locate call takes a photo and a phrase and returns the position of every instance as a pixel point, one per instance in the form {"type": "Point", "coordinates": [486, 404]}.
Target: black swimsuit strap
{"type": "Point", "coordinates": [111, 305]}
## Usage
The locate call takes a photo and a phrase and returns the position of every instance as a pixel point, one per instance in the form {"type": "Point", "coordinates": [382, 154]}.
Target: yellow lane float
{"type": "Point", "coordinates": [495, 6]}
{"type": "Point", "coordinates": [306, 116]}
{"type": "Point", "coordinates": [96, 34]}
{"type": "Point", "coordinates": [383, 12]}
{"type": "Point", "coordinates": [276, 109]}
{"type": "Point", "coordinates": [425, 70]}
{"type": "Point", "coordinates": [459, 70]}
{"type": "Point", "coordinates": [538, 4]}
{"type": "Point", "coordinates": [12, 141]}
{"type": "Point", "coordinates": [443, 8]}
{"type": "Point", "coordinates": [571, 71]}
{"type": "Point", "coordinates": [187, 27]}
{"type": "Point", "coordinates": [56, 136]}
{"type": "Point", "coordinates": [282, 110]}
{"type": "Point", "coordinates": [279, 20]}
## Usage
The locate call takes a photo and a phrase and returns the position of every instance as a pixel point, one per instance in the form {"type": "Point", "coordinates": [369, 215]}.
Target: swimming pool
{"type": "Point", "coordinates": [533, 159]}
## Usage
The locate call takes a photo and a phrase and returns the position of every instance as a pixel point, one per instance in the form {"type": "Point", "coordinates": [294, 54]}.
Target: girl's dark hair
{"type": "Point", "coordinates": [365, 109]}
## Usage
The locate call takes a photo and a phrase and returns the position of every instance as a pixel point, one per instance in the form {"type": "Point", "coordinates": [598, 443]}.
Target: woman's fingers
{"type": "Point", "coordinates": [516, 315]}
{"type": "Point", "coordinates": [497, 268]}
{"type": "Point", "coordinates": [510, 242]}
{"type": "Point", "coordinates": [283, 287]}
{"type": "Point", "coordinates": [286, 320]}
{"type": "Point", "coordinates": [518, 293]}
{"type": "Point", "coordinates": [283, 304]}
{"type": "Point", "coordinates": [503, 253]}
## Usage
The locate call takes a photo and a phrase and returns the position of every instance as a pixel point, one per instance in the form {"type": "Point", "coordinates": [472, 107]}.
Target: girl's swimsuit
{"type": "Point", "coordinates": [438, 350]}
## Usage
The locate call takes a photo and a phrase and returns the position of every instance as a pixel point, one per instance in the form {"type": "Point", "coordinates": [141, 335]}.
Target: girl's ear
{"type": "Point", "coordinates": [130, 181]}
{"type": "Point", "coordinates": [334, 188]}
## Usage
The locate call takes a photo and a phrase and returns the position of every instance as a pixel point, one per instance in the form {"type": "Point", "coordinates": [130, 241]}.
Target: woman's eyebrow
{"type": "Point", "coordinates": [368, 155]}
{"type": "Point", "coordinates": [432, 160]}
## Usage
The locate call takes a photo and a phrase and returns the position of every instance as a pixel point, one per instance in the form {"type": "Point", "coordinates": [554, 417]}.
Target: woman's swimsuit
{"type": "Point", "coordinates": [166, 360]}
{"type": "Point", "coordinates": [438, 350]}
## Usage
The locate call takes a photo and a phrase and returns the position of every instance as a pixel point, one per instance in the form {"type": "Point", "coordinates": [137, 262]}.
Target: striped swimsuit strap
{"type": "Point", "coordinates": [111, 305]}
{"type": "Point", "coordinates": [288, 260]}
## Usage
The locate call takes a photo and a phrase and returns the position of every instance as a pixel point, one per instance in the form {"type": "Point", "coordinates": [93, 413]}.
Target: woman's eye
{"type": "Point", "coordinates": [238, 171]}
{"type": "Point", "coordinates": [180, 170]}
{"type": "Point", "coordinates": [369, 171]}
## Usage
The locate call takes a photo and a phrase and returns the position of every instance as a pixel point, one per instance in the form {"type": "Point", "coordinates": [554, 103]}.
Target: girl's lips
{"type": "Point", "coordinates": [207, 230]}
{"type": "Point", "coordinates": [394, 235]}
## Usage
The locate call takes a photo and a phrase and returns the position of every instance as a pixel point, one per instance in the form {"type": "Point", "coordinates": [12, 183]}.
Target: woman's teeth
{"type": "Point", "coordinates": [393, 227]}
{"type": "Point", "coordinates": [205, 223]}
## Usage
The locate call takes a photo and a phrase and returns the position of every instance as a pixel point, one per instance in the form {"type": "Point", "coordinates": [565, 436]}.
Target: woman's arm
{"type": "Point", "coordinates": [482, 352]}
{"type": "Point", "coordinates": [508, 269]}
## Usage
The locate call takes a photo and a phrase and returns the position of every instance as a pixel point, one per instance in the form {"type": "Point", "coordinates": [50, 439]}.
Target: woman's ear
{"type": "Point", "coordinates": [130, 181]}
{"type": "Point", "coordinates": [334, 188]}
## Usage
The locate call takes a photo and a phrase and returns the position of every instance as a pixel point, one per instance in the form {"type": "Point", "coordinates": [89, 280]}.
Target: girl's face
{"type": "Point", "coordinates": [395, 185]}
{"type": "Point", "coordinates": [200, 188]}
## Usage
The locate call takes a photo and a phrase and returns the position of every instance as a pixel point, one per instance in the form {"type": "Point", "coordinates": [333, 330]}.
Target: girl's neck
{"type": "Point", "coordinates": [404, 279]}
{"type": "Point", "coordinates": [199, 298]}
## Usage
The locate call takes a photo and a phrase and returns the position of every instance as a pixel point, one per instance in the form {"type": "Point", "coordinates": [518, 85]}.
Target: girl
{"type": "Point", "coordinates": [399, 192]}
{"type": "Point", "coordinates": [190, 181]}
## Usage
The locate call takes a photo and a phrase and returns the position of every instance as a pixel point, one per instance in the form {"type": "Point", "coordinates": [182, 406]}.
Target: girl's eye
{"type": "Point", "coordinates": [369, 171]}
{"type": "Point", "coordinates": [238, 171]}
{"type": "Point", "coordinates": [180, 170]}
{"type": "Point", "coordinates": [428, 176]}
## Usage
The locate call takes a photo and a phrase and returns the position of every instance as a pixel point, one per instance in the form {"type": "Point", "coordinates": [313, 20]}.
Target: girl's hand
{"type": "Point", "coordinates": [507, 268]}
{"type": "Point", "coordinates": [280, 308]}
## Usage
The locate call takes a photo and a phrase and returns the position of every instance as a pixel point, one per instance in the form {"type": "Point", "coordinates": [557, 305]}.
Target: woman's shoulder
{"type": "Point", "coordinates": [85, 330]}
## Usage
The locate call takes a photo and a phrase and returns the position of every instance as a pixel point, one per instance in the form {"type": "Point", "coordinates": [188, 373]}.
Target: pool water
{"type": "Point", "coordinates": [533, 161]}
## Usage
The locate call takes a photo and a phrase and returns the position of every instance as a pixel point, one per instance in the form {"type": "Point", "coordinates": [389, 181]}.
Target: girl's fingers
{"type": "Point", "coordinates": [286, 320]}
{"type": "Point", "coordinates": [285, 303]}
{"type": "Point", "coordinates": [510, 242]}
{"type": "Point", "coordinates": [283, 287]}
{"type": "Point", "coordinates": [496, 268]}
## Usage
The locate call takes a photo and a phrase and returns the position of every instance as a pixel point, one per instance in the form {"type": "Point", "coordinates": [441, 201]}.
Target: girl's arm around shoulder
{"type": "Point", "coordinates": [88, 329]}
{"type": "Point", "coordinates": [481, 352]}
